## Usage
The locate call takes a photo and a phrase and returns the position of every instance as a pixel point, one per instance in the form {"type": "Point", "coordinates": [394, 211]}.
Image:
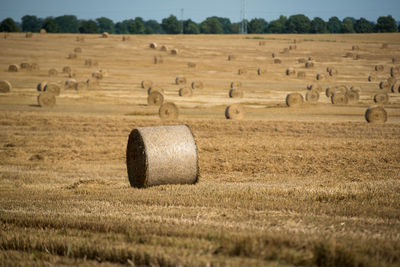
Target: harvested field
{"type": "Point", "coordinates": [302, 185]}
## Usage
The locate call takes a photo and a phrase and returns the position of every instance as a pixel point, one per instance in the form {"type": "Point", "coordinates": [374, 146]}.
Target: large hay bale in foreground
{"type": "Point", "coordinates": [185, 91]}
{"type": "Point", "coordinates": [312, 96]}
{"type": "Point", "coordinates": [53, 72]}
{"type": "Point", "coordinates": [381, 98]}
{"type": "Point", "coordinates": [146, 84]}
{"type": "Point", "coordinates": [339, 99]}
{"type": "Point", "coordinates": [155, 98]}
{"type": "Point", "coordinates": [376, 114]}
{"type": "Point", "coordinates": [168, 111]}
{"type": "Point", "coordinates": [180, 80]}
{"type": "Point", "coordinates": [235, 93]}
{"type": "Point", "coordinates": [236, 84]}
{"type": "Point", "coordinates": [197, 85]}
{"type": "Point", "coordinates": [46, 99]}
{"type": "Point", "coordinates": [52, 88]}
{"type": "Point", "coordinates": [161, 155]}
{"type": "Point", "coordinates": [13, 68]}
{"type": "Point", "coordinates": [5, 86]}
{"type": "Point", "coordinates": [294, 100]}
{"type": "Point", "coordinates": [235, 112]}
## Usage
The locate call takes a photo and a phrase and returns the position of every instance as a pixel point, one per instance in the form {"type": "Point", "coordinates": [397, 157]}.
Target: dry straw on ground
{"type": "Point", "coordinates": [312, 96]}
{"type": "Point", "coordinates": [395, 60]}
{"type": "Point", "coordinates": [285, 50]}
{"type": "Point", "coordinates": [261, 43]}
{"type": "Point", "coordinates": [46, 99]}
{"type": "Point", "coordinates": [197, 85]}
{"type": "Point", "coordinates": [152, 157]}
{"type": "Point", "coordinates": [385, 45]}
{"type": "Point", "coordinates": [78, 50]}
{"type": "Point", "coordinates": [381, 98]}
{"type": "Point", "coordinates": [52, 72]}
{"type": "Point", "coordinates": [154, 88]}
{"type": "Point", "coordinates": [13, 68]}
{"type": "Point", "coordinates": [180, 79]}
{"type": "Point", "coordinates": [290, 72]}
{"type": "Point", "coordinates": [155, 98]}
{"type": "Point", "coordinates": [52, 88]}
{"type": "Point", "coordinates": [5, 86]}
{"type": "Point", "coordinates": [80, 39]}
{"type": "Point", "coordinates": [339, 99]}
{"type": "Point", "coordinates": [168, 111]}
{"type": "Point", "coordinates": [235, 112]}
{"type": "Point", "coordinates": [376, 114]}
{"type": "Point", "coordinates": [294, 100]}
{"type": "Point", "coordinates": [146, 84]}
{"type": "Point", "coordinates": [90, 83]}
{"type": "Point", "coordinates": [185, 91]}
{"type": "Point", "coordinates": [67, 69]}
{"type": "Point", "coordinates": [352, 96]}
{"type": "Point", "coordinates": [235, 93]}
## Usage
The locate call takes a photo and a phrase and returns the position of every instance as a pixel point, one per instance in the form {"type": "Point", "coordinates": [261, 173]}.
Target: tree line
{"type": "Point", "coordinates": [212, 25]}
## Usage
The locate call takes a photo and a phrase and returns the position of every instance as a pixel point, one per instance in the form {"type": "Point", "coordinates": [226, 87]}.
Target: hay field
{"type": "Point", "coordinates": [308, 185]}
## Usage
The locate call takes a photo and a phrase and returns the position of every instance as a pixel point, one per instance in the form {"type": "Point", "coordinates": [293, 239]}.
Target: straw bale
{"type": "Point", "coordinates": [235, 93]}
{"type": "Point", "coordinates": [396, 87]}
{"type": "Point", "coordinates": [168, 111]}
{"type": "Point", "coordinates": [105, 35]}
{"type": "Point", "coordinates": [67, 69]}
{"type": "Point", "coordinates": [146, 84]}
{"type": "Point", "coordinates": [309, 64]}
{"type": "Point", "coordinates": [301, 74]}
{"type": "Point", "coordinates": [13, 68]}
{"type": "Point", "coordinates": [46, 99]}
{"type": "Point", "coordinates": [290, 72]}
{"type": "Point", "coordinates": [292, 47]}
{"type": "Point", "coordinates": [384, 85]}
{"type": "Point", "coordinates": [333, 72]}
{"type": "Point", "coordinates": [261, 71]}
{"type": "Point", "coordinates": [40, 86]}
{"type": "Point", "coordinates": [53, 72]}
{"type": "Point", "coordinates": [355, 89]}
{"type": "Point", "coordinates": [197, 85]}
{"type": "Point", "coordinates": [35, 66]}
{"type": "Point", "coordinates": [341, 89]}
{"type": "Point", "coordinates": [70, 84]}
{"type": "Point", "coordinates": [25, 66]}
{"type": "Point", "coordinates": [80, 39]}
{"type": "Point", "coordinates": [372, 77]}
{"type": "Point", "coordinates": [301, 60]}
{"type": "Point", "coordinates": [153, 45]}
{"type": "Point", "coordinates": [261, 43]}
{"type": "Point", "coordinates": [161, 155]}
{"type": "Point", "coordinates": [191, 65]}
{"type": "Point", "coordinates": [339, 99]}
{"type": "Point", "coordinates": [174, 51]}
{"type": "Point", "coordinates": [285, 50]}
{"type": "Point", "coordinates": [90, 83]}
{"type": "Point", "coordinates": [320, 77]}
{"type": "Point", "coordinates": [28, 35]}
{"type": "Point", "coordinates": [312, 96]}
{"type": "Point", "coordinates": [379, 68]}
{"type": "Point", "coordinates": [52, 88]}
{"type": "Point", "coordinates": [352, 96]}
{"type": "Point", "coordinates": [164, 48]}
{"type": "Point", "coordinates": [43, 31]}
{"type": "Point", "coordinates": [185, 91]}
{"type": "Point", "coordinates": [355, 48]}
{"type": "Point", "coordinates": [236, 84]}
{"type": "Point", "coordinates": [97, 75]}
{"type": "Point", "coordinates": [376, 114]}
{"type": "Point", "coordinates": [155, 98]}
{"type": "Point", "coordinates": [294, 100]}
{"type": "Point", "coordinates": [273, 55]}
{"type": "Point", "coordinates": [231, 57]}
{"type": "Point", "coordinates": [277, 61]}
{"type": "Point", "coordinates": [158, 59]}
{"type": "Point", "coordinates": [242, 71]}
{"type": "Point", "coordinates": [381, 98]}
{"type": "Point", "coordinates": [180, 80]}
{"type": "Point", "coordinates": [235, 112]}
{"type": "Point", "coordinates": [385, 45]}
{"type": "Point", "coordinates": [78, 50]}
{"type": "Point", "coordinates": [5, 86]}
{"type": "Point", "coordinates": [395, 71]}
{"type": "Point", "coordinates": [349, 55]}
{"type": "Point", "coordinates": [315, 87]}
{"type": "Point", "coordinates": [154, 88]}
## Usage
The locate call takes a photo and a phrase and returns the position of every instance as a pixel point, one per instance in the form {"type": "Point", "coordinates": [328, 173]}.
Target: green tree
{"type": "Point", "coordinates": [347, 26]}
{"type": "Point", "coordinates": [190, 27]}
{"type": "Point", "coordinates": [226, 24]}
{"type": "Point", "coordinates": [363, 26]}
{"type": "Point", "coordinates": [334, 25]}
{"type": "Point", "coordinates": [399, 28]}
{"type": "Point", "coordinates": [105, 25]}
{"type": "Point", "coordinates": [277, 26]}
{"type": "Point", "coordinates": [171, 25]}
{"type": "Point", "coordinates": [257, 26]}
{"type": "Point", "coordinates": [298, 24]}
{"type": "Point", "coordinates": [152, 26]}
{"type": "Point", "coordinates": [386, 24]}
{"type": "Point", "coordinates": [8, 25]}
{"type": "Point", "coordinates": [68, 23]}
{"type": "Point", "coordinates": [318, 25]}
{"type": "Point", "coordinates": [211, 25]}
{"type": "Point", "coordinates": [121, 28]}
{"type": "Point", "coordinates": [235, 27]}
{"type": "Point", "coordinates": [31, 23]}
{"type": "Point", "coordinates": [136, 26]}
{"type": "Point", "coordinates": [88, 26]}
{"type": "Point", "coordinates": [51, 25]}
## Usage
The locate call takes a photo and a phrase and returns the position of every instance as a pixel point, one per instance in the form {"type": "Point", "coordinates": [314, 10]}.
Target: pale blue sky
{"type": "Point", "coordinates": [119, 10]}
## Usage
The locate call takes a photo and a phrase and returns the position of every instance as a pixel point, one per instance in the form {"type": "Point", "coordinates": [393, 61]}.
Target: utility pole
{"type": "Point", "coordinates": [243, 23]}
{"type": "Point", "coordinates": [181, 20]}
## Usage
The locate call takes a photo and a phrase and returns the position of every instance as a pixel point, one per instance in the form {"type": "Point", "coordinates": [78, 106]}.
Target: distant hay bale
{"type": "Point", "coordinates": [372, 77]}
{"type": "Point", "coordinates": [78, 50]}
{"type": "Point", "coordinates": [197, 85]}
{"type": "Point", "coordinates": [395, 60]}
{"type": "Point", "coordinates": [384, 85]}
{"type": "Point", "coordinates": [379, 68]}
{"type": "Point", "coordinates": [312, 96]}
{"type": "Point", "coordinates": [290, 71]}
{"type": "Point", "coordinates": [261, 43]}
{"type": "Point", "coordinates": [155, 98]}
{"type": "Point", "coordinates": [154, 88]}
{"type": "Point", "coordinates": [309, 64]}
{"type": "Point", "coordinates": [191, 65]}
{"type": "Point", "coordinates": [80, 39]}
{"type": "Point", "coordinates": [376, 114]}
{"type": "Point", "coordinates": [158, 59]}
{"type": "Point", "coordinates": [384, 46]}
{"type": "Point", "coordinates": [52, 72]}
{"type": "Point", "coordinates": [105, 35]}
{"type": "Point", "coordinates": [72, 56]}
{"type": "Point", "coordinates": [352, 96]}
{"type": "Point", "coordinates": [355, 89]}
{"type": "Point", "coordinates": [235, 93]}
{"type": "Point", "coordinates": [180, 80]}
{"type": "Point", "coordinates": [277, 61]}
{"type": "Point", "coordinates": [311, 58]}
{"type": "Point", "coordinates": [357, 57]}
{"type": "Point", "coordinates": [381, 98]}
{"type": "Point", "coordinates": [242, 71]}
{"type": "Point", "coordinates": [152, 157]}
{"type": "Point", "coordinates": [185, 92]}
{"type": "Point", "coordinates": [391, 81]}
{"type": "Point", "coordinates": [231, 57]}
{"type": "Point", "coordinates": [97, 75]}
{"type": "Point", "coordinates": [13, 68]}
{"type": "Point", "coordinates": [146, 84]}
{"type": "Point", "coordinates": [43, 31]}
{"type": "Point", "coordinates": [261, 71]}
{"type": "Point", "coordinates": [90, 83]}
{"type": "Point", "coordinates": [292, 47]}
{"type": "Point", "coordinates": [320, 77]}
{"type": "Point", "coordinates": [52, 88]}
{"type": "Point", "coordinates": [235, 112]}
{"type": "Point", "coordinates": [25, 66]}
{"type": "Point", "coordinates": [273, 55]}
{"type": "Point", "coordinates": [168, 111]}
{"type": "Point", "coordinates": [46, 99]}
{"type": "Point", "coordinates": [333, 72]}
{"type": "Point", "coordinates": [349, 55]}
{"type": "Point", "coordinates": [236, 84]}
{"type": "Point", "coordinates": [164, 48]}
{"type": "Point", "coordinates": [40, 86]}
{"type": "Point", "coordinates": [91, 62]}
{"type": "Point", "coordinates": [285, 50]}
{"type": "Point", "coordinates": [294, 100]}
{"type": "Point", "coordinates": [301, 74]}
{"type": "Point", "coordinates": [174, 51]}
{"type": "Point", "coordinates": [396, 87]}
{"type": "Point", "coordinates": [67, 69]}
{"type": "Point", "coordinates": [153, 45]}
{"type": "Point", "coordinates": [28, 35]}
{"type": "Point", "coordinates": [315, 87]}
{"type": "Point", "coordinates": [35, 67]}
{"type": "Point", "coordinates": [125, 38]}
{"type": "Point", "coordinates": [341, 89]}
{"type": "Point", "coordinates": [301, 60]}
{"type": "Point", "coordinates": [70, 84]}
{"type": "Point", "coordinates": [339, 99]}
{"type": "Point", "coordinates": [355, 48]}
{"type": "Point", "coordinates": [5, 86]}
{"type": "Point", "coordinates": [395, 71]}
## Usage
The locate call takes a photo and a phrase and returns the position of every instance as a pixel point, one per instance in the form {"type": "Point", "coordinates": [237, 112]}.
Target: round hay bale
{"type": "Point", "coordinates": [339, 99]}
{"type": "Point", "coordinates": [381, 98]}
{"type": "Point", "coordinates": [43, 31]}
{"type": "Point", "coordinates": [72, 56]}
{"type": "Point", "coordinates": [396, 87]}
{"type": "Point", "coordinates": [349, 55]}
{"type": "Point", "coordinates": [355, 89]}
{"type": "Point", "coordinates": [146, 84]}
{"type": "Point", "coordinates": [285, 50]}
{"type": "Point", "coordinates": [197, 85]}
{"type": "Point", "coordinates": [376, 114]}
{"type": "Point", "coordinates": [78, 50]}
{"type": "Point", "coordinates": [301, 74]}
{"type": "Point", "coordinates": [333, 72]}
{"type": "Point", "coordinates": [292, 47]}
{"type": "Point", "coordinates": [28, 35]}
{"type": "Point", "coordinates": [311, 58]}
{"type": "Point", "coordinates": [88, 62]}
{"type": "Point", "coordinates": [25, 66]}
{"type": "Point", "coordinates": [161, 155]}
{"type": "Point", "coordinates": [153, 45]}
{"type": "Point", "coordinates": [5, 86]}
{"type": "Point", "coordinates": [371, 77]}
{"type": "Point", "coordinates": [235, 93]}
{"type": "Point", "coordinates": [67, 69]}
{"type": "Point", "coordinates": [301, 60]}
{"type": "Point", "coordinates": [261, 71]}
{"type": "Point", "coordinates": [13, 68]}
{"type": "Point", "coordinates": [155, 88]}
{"type": "Point", "coordinates": [191, 65]}
{"type": "Point", "coordinates": [185, 91]}
{"type": "Point", "coordinates": [174, 51]}
{"type": "Point", "coordinates": [70, 84]}
{"type": "Point", "coordinates": [40, 86]}
{"type": "Point", "coordinates": [341, 89]}
{"type": "Point", "coordinates": [309, 64]}
{"type": "Point", "coordinates": [320, 77]}
{"type": "Point", "coordinates": [35, 67]}
{"type": "Point", "coordinates": [395, 60]}
{"type": "Point", "coordinates": [46, 99]}
{"type": "Point", "coordinates": [53, 72]}
{"type": "Point", "coordinates": [352, 96]}
{"type": "Point", "coordinates": [242, 71]}
{"type": "Point", "coordinates": [294, 100]}
{"type": "Point", "coordinates": [164, 48]}
{"type": "Point", "coordinates": [235, 112]}
{"type": "Point", "coordinates": [80, 39]}
{"type": "Point", "coordinates": [312, 96]}
{"type": "Point", "coordinates": [168, 111]}
{"type": "Point", "coordinates": [236, 84]}
{"type": "Point", "coordinates": [52, 88]}
{"type": "Point", "coordinates": [290, 72]}
{"type": "Point", "coordinates": [384, 85]}
{"type": "Point", "coordinates": [277, 61]}
{"type": "Point", "coordinates": [158, 59]}
{"type": "Point", "coordinates": [395, 71]}
{"type": "Point", "coordinates": [231, 57]}
{"type": "Point", "coordinates": [180, 80]}
{"type": "Point", "coordinates": [357, 56]}
{"type": "Point", "coordinates": [125, 38]}
{"type": "Point", "coordinates": [391, 81]}
{"type": "Point", "coordinates": [261, 43]}
{"type": "Point", "coordinates": [91, 84]}
{"type": "Point", "coordinates": [315, 87]}
{"type": "Point", "coordinates": [355, 48]}
{"type": "Point", "coordinates": [105, 34]}
{"type": "Point", "coordinates": [379, 68]}
{"type": "Point", "coordinates": [97, 75]}
{"type": "Point", "coordinates": [155, 98]}
{"type": "Point", "coordinates": [385, 45]}
{"type": "Point", "coordinates": [273, 55]}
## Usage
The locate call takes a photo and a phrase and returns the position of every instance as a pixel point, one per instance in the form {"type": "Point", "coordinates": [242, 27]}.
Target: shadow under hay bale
{"type": "Point", "coordinates": [235, 93]}
{"type": "Point", "coordinates": [155, 98]}
{"type": "Point", "coordinates": [333, 72]}
{"type": "Point", "coordinates": [312, 96]}
{"type": "Point", "coordinates": [52, 88]}
{"type": "Point", "coordinates": [339, 99]}
{"type": "Point", "coordinates": [376, 114]}
{"type": "Point", "coordinates": [168, 111]}
{"type": "Point", "coordinates": [381, 98]}
{"type": "Point", "coordinates": [5, 86]}
{"type": "Point", "coordinates": [46, 99]}
{"type": "Point", "coordinates": [235, 112]}
{"type": "Point", "coordinates": [13, 68]}
{"type": "Point", "coordinates": [294, 100]}
{"type": "Point", "coordinates": [185, 92]}
{"type": "Point", "coordinates": [161, 155]}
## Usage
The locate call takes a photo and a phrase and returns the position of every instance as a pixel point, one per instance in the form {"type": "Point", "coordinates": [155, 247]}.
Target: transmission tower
{"type": "Point", "coordinates": [181, 20]}
{"type": "Point", "coordinates": [243, 23]}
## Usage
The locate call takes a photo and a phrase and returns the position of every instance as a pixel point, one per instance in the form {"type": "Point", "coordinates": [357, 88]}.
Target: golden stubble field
{"type": "Point", "coordinates": [310, 185]}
